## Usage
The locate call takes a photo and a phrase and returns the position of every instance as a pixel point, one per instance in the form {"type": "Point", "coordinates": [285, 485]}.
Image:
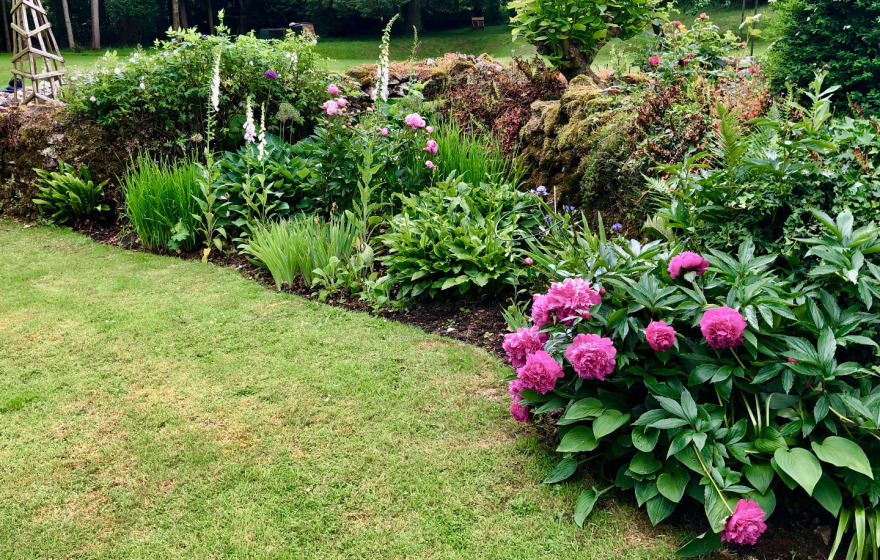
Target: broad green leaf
{"type": "Point", "coordinates": [579, 438]}
{"type": "Point", "coordinates": [563, 470]}
{"type": "Point", "coordinates": [609, 421]}
{"type": "Point", "coordinates": [585, 408]}
{"type": "Point", "coordinates": [555, 403]}
{"type": "Point", "coordinates": [672, 485]}
{"type": "Point", "coordinates": [767, 501]}
{"type": "Point", "coordinates": [645, 439]}
{"type": "Point", "coordinates": [800, 465]}
{"type": "Point", "coordinates": [644, 463]}
{"type": "Point", "coordinates": [828, 494]}
{"type": "Point", "coordinates": [700, 546]}
{"type": "Point", "coordinates": [842, 452]}
{"type": "Point", "coordinates": [759, 475]}
{"type": "Point", "coordinates": [584, 505]}
{"type": "Point", "coordinates": [659, 509]}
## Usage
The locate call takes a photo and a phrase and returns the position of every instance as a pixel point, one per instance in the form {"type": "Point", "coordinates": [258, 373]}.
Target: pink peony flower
{"type": "Point", "coordinates": [660, 336]}
{"type": "Point", "coordinates": [540, 310]}
{"type": "Point", "coordinates": [523, 342]}
{"type": "Point", "coordinates": [331, 108]}
{"type": "Point", "coordinates": [654, 60]}
{"type": "Point", "coordinates": [592, 356]}
{"type": "Point", "coordinates": [415, 121]}
{"type": "Point", "coordinates": [342, 102]}
{"type": "Point", "coordinates": [430, 164]}
{"type": "Point", "coordinates": [332, 89]}
{"type": "Point", "coordinates": [687, 261]}
{"type": "Point", "coordinates": [745, 525]}
{"type": "Point", "coordinates": [528, 261]}
{"type": "Point", "coordinates": [519, 412]}
{"type": "Point", "coordinates": [723, 327]}
{"type": "Point", "coordinates": [540, 373]}
{"type": "Point", "coordinates": [432, 147]}
{"type": "Point", "coordinates": [93, 99]}
{"type": "Point", "coordinates": [703, 15]}
{"type": "Point", "coordinates": [676, 23]}
{"type": "Point", "coordinates": [572, 296]}
{"type": "Point", "coordinates": [430, 130]}
{"type": "Point", "coordinates": [383, 131]}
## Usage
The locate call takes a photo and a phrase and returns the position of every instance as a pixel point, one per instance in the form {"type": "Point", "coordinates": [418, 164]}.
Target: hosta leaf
{"type": "Point", "coordinates": [700, 546]}
{"type": "Point", "coordinates": [801, 465]}
{"type": "Point", "coordinates": [672, 485]}
{"type": "Point", "coordinates": [563, 470]}
{"type": "Point", "coordinates": [659, 509]}
{"type": "Point", "coordinates": [584, 505]}
{"type": "Point", "coordinates": [585, 408]}
{"type": "Point", "coordinates": [842, 452]}
{"type": "Point", "coordinates": [759, 475]}
{"type": "Point", "coordinates": [609, 421]}
{"type": "Point", "coordinates": [579, 438]}
{"type": "Point", "coordinates": [645, 439]}
{"type": "Point", "coordinates": [828, 494]}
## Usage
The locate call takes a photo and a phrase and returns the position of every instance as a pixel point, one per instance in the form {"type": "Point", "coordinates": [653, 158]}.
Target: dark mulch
{"type": "Point", "coordinates": [796, 530]}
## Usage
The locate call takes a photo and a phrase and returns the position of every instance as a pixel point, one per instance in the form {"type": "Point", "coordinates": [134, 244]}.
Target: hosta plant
{"type": "Point", "coordinates": [67, 194]}
{"type": "Point", "coordinates": [729, 381]}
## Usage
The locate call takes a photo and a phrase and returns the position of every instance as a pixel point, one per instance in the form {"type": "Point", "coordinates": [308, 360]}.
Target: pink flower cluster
{"type": "Point", "coordinates": [592, 356]}
{"type": "Point", "coordinates": [415, 121]}
{"type": "Point", "coordinates": [687, 261]}
{"type": "Point", "coordinates": [723, 327]}
{"type": "Point", "coordinates": [569, 298]}
{"type": "Point", "coordinates": [432, 147]}
{"type": "Point", "coordinates": [331, 108]}
{"type": "Point", "coordinates": [745, 525]}
{"type": "Point", "coordinates": [539, 373]}
{"type": "Point", "coordinates": [332, 89]}
{"type": "Point", "coordinates": [654, 60]}
{"type": "Point", "coordinates": [523, 342]}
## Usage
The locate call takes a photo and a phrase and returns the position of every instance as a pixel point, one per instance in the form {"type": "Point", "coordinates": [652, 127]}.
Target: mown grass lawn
{"type": "Point", "coordinates": [156, 408]}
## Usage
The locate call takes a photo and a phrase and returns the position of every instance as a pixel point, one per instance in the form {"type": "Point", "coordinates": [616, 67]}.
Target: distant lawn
{"type": "Point", "coordinates": [494, 40]}
{"type": "Point", "coordinates": [156, 408]}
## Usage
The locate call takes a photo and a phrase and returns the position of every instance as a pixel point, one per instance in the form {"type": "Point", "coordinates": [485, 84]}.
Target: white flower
{"type": "Point", "coordinates": [250, 132]}
{"type": "Point", "coordinates": [215, 85]}
{"type": "Point", "coordinates": [116, 71]}
{"type": "Point", "coordinates": [261, 147]}
{"type": "Point", "coordinates": [142, 86]}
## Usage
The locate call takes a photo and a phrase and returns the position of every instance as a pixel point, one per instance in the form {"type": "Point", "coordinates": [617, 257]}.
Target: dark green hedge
{"type": "Point", "coordinates": [845, 34]}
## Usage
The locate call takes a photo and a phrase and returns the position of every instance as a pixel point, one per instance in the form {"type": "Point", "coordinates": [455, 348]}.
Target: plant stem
{"type": "Point", "coordinates": [712, 480]}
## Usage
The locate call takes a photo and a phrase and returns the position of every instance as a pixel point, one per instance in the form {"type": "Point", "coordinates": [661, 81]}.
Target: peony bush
{"type": "Point", "coordinates": [731, 381]}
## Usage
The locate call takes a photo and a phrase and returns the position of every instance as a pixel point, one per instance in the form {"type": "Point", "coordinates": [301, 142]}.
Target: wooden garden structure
{"type": "Point", "coordinates": [35, 54]}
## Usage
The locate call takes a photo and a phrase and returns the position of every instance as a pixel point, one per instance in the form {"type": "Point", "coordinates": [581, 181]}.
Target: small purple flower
{"type": "Point", "coordinates": [540, 191]}
{"type": "Point", "coordinates": [548, 219]}
{"type": "Point", "coordinates": [617, 227]}
{"type": "Point", "coordinates": [568, 208]}
{"type": "Point", "coordinates": [271, 75]}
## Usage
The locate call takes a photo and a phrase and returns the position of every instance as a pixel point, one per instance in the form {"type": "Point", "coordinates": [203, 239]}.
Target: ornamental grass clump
{"type": "Point", "coordinates": [731, 382]}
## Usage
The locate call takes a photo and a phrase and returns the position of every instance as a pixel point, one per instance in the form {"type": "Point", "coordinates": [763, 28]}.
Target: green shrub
{"type": "Point", "coordinates": [760, 384]}
{"type": "Point", "coordinates": [301, 246]}
{"type": "Point", "coordinates": [761, 185]}
{"type": "Point", "coordinates": [455, 235]}
{"type": "Point", "coordinates": [161, 202]}
{"type": "Point", "coordinates": [843, 35]}
{"type": "Point", "coordinates": [681, 50]}
{"type": "Point", "coordinates": [475, 158]}
{"type": "Point", "coordinates": [67, 195]}
{"type": "Point", "coordinates": [167, 90]}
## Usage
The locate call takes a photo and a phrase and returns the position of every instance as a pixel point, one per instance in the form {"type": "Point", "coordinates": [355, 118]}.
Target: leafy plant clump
{"type": "Point", "coordinates": [458, 238]}
{"type": "Point", "coordinates": [167, 90]}
{"type": "Point", "coordinates": [68, 195]}
{"type": "Point", "coordinates": [725, 379]}
{"type": "Point", "coordinates": [161, 202]}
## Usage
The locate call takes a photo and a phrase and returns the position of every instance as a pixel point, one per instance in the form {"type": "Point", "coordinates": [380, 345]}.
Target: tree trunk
{"type": "Point", "coordinates": [6, 36]}
{"type": "Point", "coordinates": [241, 17]}
{"type": "Point", "coordinates": [175, 15]}
{"type": "Point", "coordinates": [415, 15]}
{"type": "Point", "coordinates": [752, 53]}
{"type": "Point", "coordinates": [210, 18]}
{"type": "Point", "coordinates": [96, 26]}
{"type": "Point", "coordinates": [184, 19]}
{"type": "Point", "coordinates": [742, 19]}
{"type": "Point", "coordinates": [71, 43]}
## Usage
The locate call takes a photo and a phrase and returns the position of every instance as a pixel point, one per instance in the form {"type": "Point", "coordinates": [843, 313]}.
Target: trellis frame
{"type": "Point", "coordinates": [34, 45]}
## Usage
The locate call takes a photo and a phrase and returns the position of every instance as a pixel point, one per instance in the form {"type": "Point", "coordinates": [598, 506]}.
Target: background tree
{"type": "Point", "coordinates": [7, 39]}
{"type": "Point", "coordinates": [96, 25]}
{"type": "Point", "coordinates": [571, 32]}
{"type": "Point", "coordinates": [71, 42]}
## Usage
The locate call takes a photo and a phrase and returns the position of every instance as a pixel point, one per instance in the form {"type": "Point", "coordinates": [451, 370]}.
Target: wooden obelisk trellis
{"type": "Point", "coordinates": [35, 54]}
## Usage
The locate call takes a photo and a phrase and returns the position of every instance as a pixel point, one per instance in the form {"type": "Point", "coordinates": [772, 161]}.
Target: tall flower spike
{"type": "Point", "coordinates": [261, 147]}
{"type": "Point", "coordinates": [250, 129]}
{"type": "Point", "coordinates": [215, 85]}
{"type": "Point", "coordinates": [382, 72]}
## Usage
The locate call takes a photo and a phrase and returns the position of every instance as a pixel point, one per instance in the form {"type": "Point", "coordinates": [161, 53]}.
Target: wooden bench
{"type": "Point", "coordinates": [478, 22]}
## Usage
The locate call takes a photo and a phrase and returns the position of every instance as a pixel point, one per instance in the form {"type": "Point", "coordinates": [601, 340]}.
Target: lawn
{"type": "Point", "coordinates": [494, 40]}
{"type": "Point", "coordinates": [157, 408]}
